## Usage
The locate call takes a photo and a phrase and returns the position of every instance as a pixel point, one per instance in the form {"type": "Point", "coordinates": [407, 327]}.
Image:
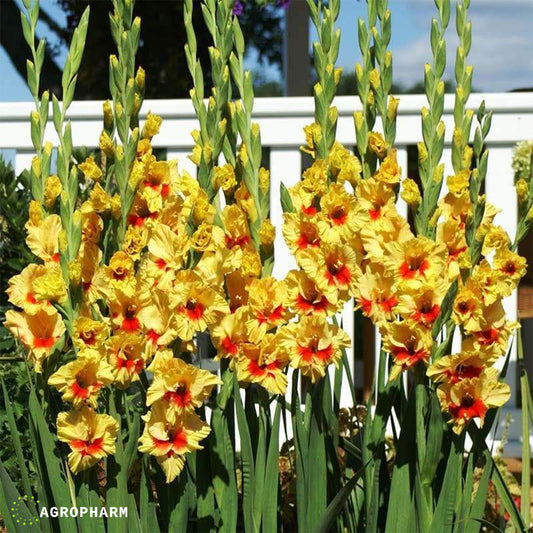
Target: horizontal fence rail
{"type": "Point", "coordinates": [281, 121]}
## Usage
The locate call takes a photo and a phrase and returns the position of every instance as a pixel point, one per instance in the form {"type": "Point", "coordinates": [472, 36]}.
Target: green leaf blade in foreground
{"type": "Point", "coordinates": [52, 464]}
{"type": "Point", "coordinates": [17, 517]}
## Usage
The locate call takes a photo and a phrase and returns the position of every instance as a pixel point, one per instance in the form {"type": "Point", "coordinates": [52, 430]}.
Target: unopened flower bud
{"type": "Point", "coordinates": [522, 190]}
{"type": "Point", "coordinates": [267, 234]}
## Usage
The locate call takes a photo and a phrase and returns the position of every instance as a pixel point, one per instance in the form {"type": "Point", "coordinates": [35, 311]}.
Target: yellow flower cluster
{"type": "Point", "coordinates": [349, 241]}
{"type": "Point", "coordinates": [140, 303]}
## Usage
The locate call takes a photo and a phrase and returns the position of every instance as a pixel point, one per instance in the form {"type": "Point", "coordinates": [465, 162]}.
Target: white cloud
{"type": "Point", "coordinates": [502, 44]}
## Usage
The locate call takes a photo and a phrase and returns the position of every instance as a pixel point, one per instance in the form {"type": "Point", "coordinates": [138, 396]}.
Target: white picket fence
{"type": "Point", "coordinates": [281, 121]}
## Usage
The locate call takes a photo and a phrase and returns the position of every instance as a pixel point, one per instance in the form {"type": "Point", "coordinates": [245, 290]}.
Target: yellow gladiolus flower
{"type": "Point", "coordinates": [267, 305]}
{"type": "Point", "coordinates": [472, 398]}
{"type": "Point", "coordinates": [230, 333]}
{"type": "Point", "coordinates": [491, 335]}
{"type": "Point", "coordinates": [410, 192]}
{"type": "Point", "coordinates": [375, 202]}
{"type": "Point", "coordinates": [169, 441]}
{"type": "Point", "coordinates": [38, 333]}
{"type": "Point", "coordinates": [338, 208]}
{"type": "Point", "coordinates": [89, 334]}
{"type": "Point", "coordinates": [491, 282]}
{"type": "Point", "coordinates": [151, 126]}
{"type": "Point", "coordinates": [197, 306]}
{"type": "Point", "coordinates": [224, 178]}
{"type": "Point", "coordinates": [22, 294]}
{"type": "Point", "coordinates": [52, 189]}
{"type": "Point", "coordinates": [453, 236]}
{"type": "Point", "coordinates": [120, 274]}
{"type": "Point", "coordinates": [389, 172]}
{"type": "Point", "coordinates": [127, 358]}
{"type": "Point", "coordinates": [90, 436]}
{"type": "Point", "coordinates": [181, 386]}
{"type": "Point", "coordinates": [80, 381]}
{"type": "Point", "coordinates": [421, 303]}
{"type": "Point", "coordinates": [375, 293]}
{"type": "Point", "coordinates": [99, 201]}
{"type": "Point", "coordinates": [158, 319]}
{"type": "Point", "coordinates": [312, 345]}
{"type": "Point", "coordinates": [377, 144]}
{"type": "Point", "coordinates": [454, 368]}
{"type": "Point", "coordinates": [50, 287]}
{"type": "Point", "coordinates": [408, 344]}
{"type": "Point", "coordinates": [125, 311]}
{"type": "Point", "coordinates": [300, 231]}
{"type": "Point", "coordinates": [263, 364]}
{"type": "Point", "coordinates": [305, 298]}
{"type": "Point", "coordinates": [90, 169]}
{"type": "Point", "coordinates": [167, 253]}
{"type": "Point", "coordinates": [459, 183]}
{"type": "Point", "coordinates": [495, 238]}
{"type": "Point", "coordinates": [267, 234]}
{"type": "Point", "coordinates": [511, 266]}
{"type": "Point", "coordinates": [333, 267]}
{"type": "Point", "coordinates": [91, 227]}
{"type": "Point", "coordinates": [467, 307]}
{"type": "Point", "coordinates": [43, 240]}
{"type": "Point", "coordinates": [418, 259]}
{"type": "Point", "coordinates": [236, 227]}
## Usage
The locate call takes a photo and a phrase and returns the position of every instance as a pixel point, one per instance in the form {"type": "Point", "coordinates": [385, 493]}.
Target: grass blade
{"type": "Point", "coordinates": [52, 464]}
{"type": "Point", "coordinates": [13, 509]}
{"type": "Point", "coordinates": [15, 437]}
{"type": "Point", "coordinates": [270, 495]}
{"type": "Point", "coordinates": [248, 478]}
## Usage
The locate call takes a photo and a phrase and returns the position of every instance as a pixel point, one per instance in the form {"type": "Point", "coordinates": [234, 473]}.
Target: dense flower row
{"type": "Point", "coordinates": [176, 259]}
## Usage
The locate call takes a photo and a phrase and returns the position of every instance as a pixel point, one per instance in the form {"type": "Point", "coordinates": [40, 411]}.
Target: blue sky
{"type": "Point", "coordinates": [501, 53]}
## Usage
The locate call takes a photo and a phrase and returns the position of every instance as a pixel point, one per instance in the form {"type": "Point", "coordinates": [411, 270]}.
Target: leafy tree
{"type": "Point", "coordinates": [161, 50]}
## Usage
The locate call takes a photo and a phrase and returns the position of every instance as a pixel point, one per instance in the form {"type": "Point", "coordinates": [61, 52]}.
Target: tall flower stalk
{"type": "Point", "coordinates": [139, 263]}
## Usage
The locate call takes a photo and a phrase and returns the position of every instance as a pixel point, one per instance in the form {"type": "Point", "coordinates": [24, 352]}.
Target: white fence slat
{"type": "Point", "coordinates": [184, 163]}
{"type": "Point", "coordinates": [286, 168]}
{"type": "Point", "coordinates": [23, 160]}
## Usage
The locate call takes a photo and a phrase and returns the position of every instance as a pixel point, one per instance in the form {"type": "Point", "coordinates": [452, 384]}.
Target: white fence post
{"type": "Point", "coordinates": [286, 168]}
{"type": "Point", "coordinates": [23, 160]}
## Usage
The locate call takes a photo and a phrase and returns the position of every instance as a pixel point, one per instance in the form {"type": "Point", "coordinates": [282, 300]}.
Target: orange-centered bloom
{"type": "Point", "coordinates": [301, 231]}
{"type": "Point", "coordinates": [120, 274]}
{"type": "Point", "coordinates": [43, 240]}
{"type": "Point", "coordinates": [127, 358]}
{"type": "Point", "coordinates": [267, 306]}
{"type": "Point", "coordinates": [182, 386]}
{"type": "Point", "coordinates": [264, 364]}
{"type": "Point", "coordinates": [339, 219]}
{"type": "Point", "coordinates": [312, 344]}
{"type": "Point", "coordinates": [421, 303]}
{"type": "Point", "coordinates": [304, 296]}
{"type": "Point", "coordinates": [408, 344]}
{"type": "Point", "coordinates": [333, 268]}
{"type": "Point", "coordinates": [419, 259]}
{"type": "Point", "coordinates": [169, 441]}
{"type": "Point", "coordinates": [454, 368]}
{"type": "Point", "coordinates": [230, 333]}
{"type": "Point", "coordinates": [375, 294]}
{"type": "Point", "coordinates": [91, 437]}
{"type": "Point", "coordinates": [89, 333]}
{"type": "Point", "coordinates": [38, 333]}
{"type": "Point", "coordinates": [21, 291]}
{"type": "Point", "coordinates": [472, 398]}
{"type": "Point", "coordinates": [197, 306]}
{"type": "Point", "coordinates": [80, 381]}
